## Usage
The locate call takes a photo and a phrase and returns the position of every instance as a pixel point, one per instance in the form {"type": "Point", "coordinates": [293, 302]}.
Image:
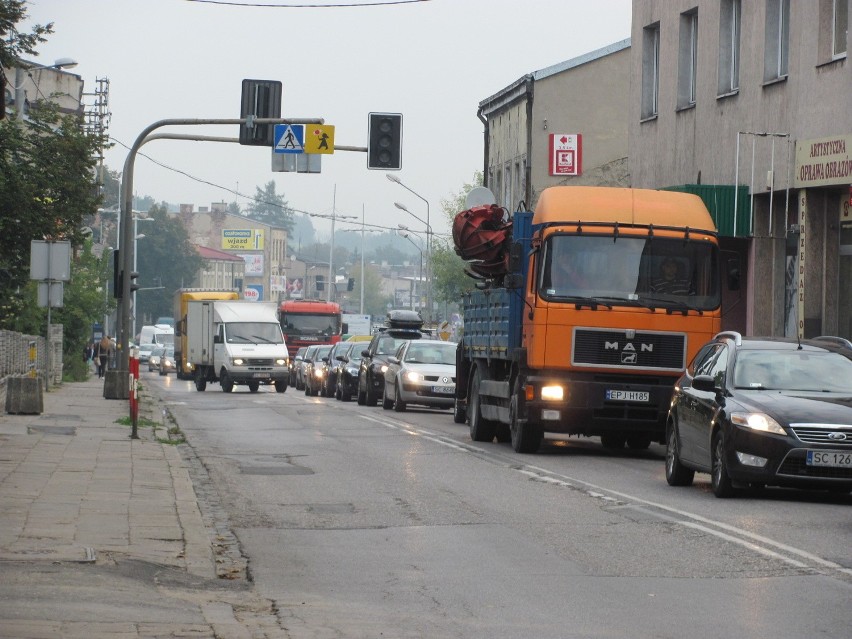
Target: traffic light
{"type": "Point", "coordinates": [385, 148]}
{"type": "Point", "coordinates": [262, 99]}
{"type": "Point", "coordinates": [350, 285]}
{"type": "Point", "coordinates": [320, 282]}
{"type": "Point", "coordinates": [133, 284]}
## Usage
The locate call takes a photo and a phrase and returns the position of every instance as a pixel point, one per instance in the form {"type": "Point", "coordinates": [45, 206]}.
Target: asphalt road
{"type": "Point", "coordinates": [360, 522]}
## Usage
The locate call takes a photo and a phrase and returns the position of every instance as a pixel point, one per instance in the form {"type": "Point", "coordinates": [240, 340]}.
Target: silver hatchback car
{"type": "Point", "coordinates": [421, 372]}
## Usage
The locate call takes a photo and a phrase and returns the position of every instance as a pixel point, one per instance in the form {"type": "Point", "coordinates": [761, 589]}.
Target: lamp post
{"type": "Point", "coordinates": [395, 179]}
{"type": "Point", "coordinates": [20, 94]}
{"type": "Point", "coordinates": [136, 238]}
{"type": "Point", "coordinates": [407, 236]}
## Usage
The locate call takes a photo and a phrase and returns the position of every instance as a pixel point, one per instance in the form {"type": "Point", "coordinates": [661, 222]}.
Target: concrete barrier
{"type": "Point", "coordinates": [24, 396]}
{"type": "Point", "coordinates": [117, 384]}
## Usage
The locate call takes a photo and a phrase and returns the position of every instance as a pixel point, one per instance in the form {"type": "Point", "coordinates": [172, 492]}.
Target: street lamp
{"type": "Point", "coordinates": [396, 180]}
{"type": "Point", "coordinates": [20, 94]}
{"type": "Point", "coordinates": [407, 236]}
{"type": "Point", "coordinates": [136, 238]}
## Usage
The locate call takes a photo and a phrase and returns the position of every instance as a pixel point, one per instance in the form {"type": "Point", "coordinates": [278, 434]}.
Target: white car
{"type": "Point", "coordinates": [154, 358]}
{"type": "Point", "coordinates": [422, 372]}
{"type": "Point", "coordinates": [145, 351]}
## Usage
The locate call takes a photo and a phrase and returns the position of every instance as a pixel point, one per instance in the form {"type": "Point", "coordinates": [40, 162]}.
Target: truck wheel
{"type": "Point", "coordinates": [481, 429]}
{"type": "Point", "coordinates": [459, 413]}
{"type": "Point", "coordinates": [254, 386]}
{"type": "Point", "coordinates": [398, 404]}
{"type": "Point", "coordinates": [281, 385]}
{"type": "Point", "coordinates": [200, 381]}
{"type": "Point", "coordinates": [226, 382]}
{"type": "Point", "coordinates": [526, 437]}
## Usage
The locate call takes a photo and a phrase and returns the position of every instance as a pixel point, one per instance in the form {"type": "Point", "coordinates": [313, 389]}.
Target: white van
{"type": "Point", "coordinates": [157, 334]}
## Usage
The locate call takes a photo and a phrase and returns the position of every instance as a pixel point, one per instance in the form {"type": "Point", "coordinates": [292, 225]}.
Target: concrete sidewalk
{"type": "Point", "coordinates": [101, 535]}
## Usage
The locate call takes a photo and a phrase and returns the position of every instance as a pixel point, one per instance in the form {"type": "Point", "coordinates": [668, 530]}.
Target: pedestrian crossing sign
{"type": "Point", "coordinates": [289, 138]}
{"type": "Point", "coordinates": [319, 138]}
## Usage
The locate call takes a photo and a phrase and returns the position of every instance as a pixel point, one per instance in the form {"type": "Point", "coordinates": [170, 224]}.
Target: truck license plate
{"type": "Point", "coordinates": [832, 458]}
{"type": "Point", "coordinates": [628, 396]}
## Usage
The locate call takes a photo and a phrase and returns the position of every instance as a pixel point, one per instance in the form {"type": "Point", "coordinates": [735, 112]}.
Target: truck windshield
{"type": "Point", "coordinates": [655, 272]}
{"type": "Point", "coordinates": [295, 324]}
{"type": "Point", "coordinates": [255, 332]}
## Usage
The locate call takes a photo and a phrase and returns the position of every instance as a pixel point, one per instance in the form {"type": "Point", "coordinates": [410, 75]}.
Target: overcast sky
{"type": "Point", "coordinates": [432, 61]}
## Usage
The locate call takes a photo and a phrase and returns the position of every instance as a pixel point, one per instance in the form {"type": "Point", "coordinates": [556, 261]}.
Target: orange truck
{"type": "Point", "coordinates": [308, 322]}
{"type": "Point", "coordinates": [182, 298]}
{"type": "Point", "coordinates": [586, 312]}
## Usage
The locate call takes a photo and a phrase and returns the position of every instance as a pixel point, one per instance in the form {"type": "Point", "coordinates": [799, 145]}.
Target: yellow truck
{"type": "Point", "coordinates": [182, 298]}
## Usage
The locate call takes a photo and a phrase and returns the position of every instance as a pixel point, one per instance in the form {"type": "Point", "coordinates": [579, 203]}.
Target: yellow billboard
{"type": "Point", "coordinates": [242, 239]}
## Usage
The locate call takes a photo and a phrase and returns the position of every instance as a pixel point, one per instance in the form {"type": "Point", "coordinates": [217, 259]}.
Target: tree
{"type": "Point", "coordinates": [270, 208]}
{"type": "Point", "coordinates": [13, 43]}
{"type": "Point", "coordinates": [165, 258]}
{"type": "Point", "coordinates": [374, 302]}
{"type": "Point", "coordinates": [46, 189]}
{"type": "Point", "coordinates": [449, 280]}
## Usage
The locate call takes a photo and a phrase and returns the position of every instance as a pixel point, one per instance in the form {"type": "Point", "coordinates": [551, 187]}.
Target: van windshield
{"type": "Point", "coordinates": [254, 332]}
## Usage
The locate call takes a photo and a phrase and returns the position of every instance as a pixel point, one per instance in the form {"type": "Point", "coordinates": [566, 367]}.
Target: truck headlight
{"type": "Point", "coordinates": [552, 393]}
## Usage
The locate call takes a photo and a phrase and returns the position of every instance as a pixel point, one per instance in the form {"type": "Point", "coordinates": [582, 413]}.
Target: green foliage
{"type": "Point", "coordinates": [13, 43]}
{"type": "Point", "coordinates": [449, 279]}
{"type": "Point", "coordinates": [375, 303]}
{"type": "Point", "coordinates": [46, 190]}
{"type": "Point", "coordinates": [165, 257]}
{"type": "Point", "coordinates": [270, 208]}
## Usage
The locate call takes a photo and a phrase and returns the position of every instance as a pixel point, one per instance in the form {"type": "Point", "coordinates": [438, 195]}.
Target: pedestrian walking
{"type": "Point", "coordinates": [103, 351]}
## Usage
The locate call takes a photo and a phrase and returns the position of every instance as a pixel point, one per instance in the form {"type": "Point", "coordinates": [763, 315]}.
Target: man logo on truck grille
{"type": "Point", "coordinates": [629, 355]}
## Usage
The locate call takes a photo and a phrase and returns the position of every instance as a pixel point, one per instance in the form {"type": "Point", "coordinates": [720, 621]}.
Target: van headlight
{"type": "Point", "coordinates": [238, 361]}
{"type": "Point", "coordinates": [281, 362]}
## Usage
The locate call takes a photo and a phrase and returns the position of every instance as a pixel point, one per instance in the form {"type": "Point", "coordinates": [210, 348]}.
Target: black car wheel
{"type": "Point", "coordinates": [370, 398]}
{"type": "Point", "coordinates": [459, 413]}
{"type": "Point", "coordinates": [719, 479]}
{"type": "Point", "coordinates": [676, 473]}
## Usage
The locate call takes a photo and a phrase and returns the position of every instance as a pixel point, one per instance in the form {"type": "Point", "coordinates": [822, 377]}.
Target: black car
{"type": "Point", "coordinates": [348, 365]}
{"type": "Point", "coordinates": [401, 325]}
{"type": "Point", "coordinates": [760, 412]}
{"type": "Point", "coordinates": [329, 382]}
{"type": "Point", "coordinates": [295, 363]}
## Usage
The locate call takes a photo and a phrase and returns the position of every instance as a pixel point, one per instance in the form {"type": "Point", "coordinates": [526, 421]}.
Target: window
{"type": "Point", "coordinates": [840, 23]}
{"type": "Point", "coordinates": [729, 47]}
{"type": "Point", "coordinates": [650, 70]}
{"type": "Point", "coordinates": [775, 55]}
{"type": "Point", "coordinates": [687, 59]}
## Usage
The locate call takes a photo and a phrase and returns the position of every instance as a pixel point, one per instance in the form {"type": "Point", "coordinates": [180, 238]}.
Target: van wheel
{"type": "Point", "coordinates": [254, 386]}
{"type": "Point", "coordinates": [200, 382]}
{"type": "Point", "coordinates": [226, 382]}
{"type": "Point", "coordinates": [281, 386]}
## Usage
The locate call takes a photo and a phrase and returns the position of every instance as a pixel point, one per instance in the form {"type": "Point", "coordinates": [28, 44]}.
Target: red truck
{"type": "Point", "coordinates": [308, 322]}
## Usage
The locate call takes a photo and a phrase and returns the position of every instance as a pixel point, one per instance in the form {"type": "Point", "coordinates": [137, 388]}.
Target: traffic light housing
{"type": "Point", "coordinates": [133, 283]}
{"type": "Point", "coordinates": [320, 282]}
{"type": "Point", "coordinates": [350, 285]}
{"type": "Point", "coordinates": [385, 148]}
{"type": "Point", "coordinates": [262, 99]}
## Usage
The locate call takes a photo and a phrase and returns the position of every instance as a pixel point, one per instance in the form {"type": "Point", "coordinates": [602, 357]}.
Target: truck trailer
{"type": "Point", "coordinates": [236, 343]}
{"type": "Point", "coordinates": [573, 328]}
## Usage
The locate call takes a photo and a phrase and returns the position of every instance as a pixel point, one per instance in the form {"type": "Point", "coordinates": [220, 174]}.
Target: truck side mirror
{"type": "Point", "coordinates": [734, 274]}
{"type": "Point", "coordinates": [516, 254]}
{"type": "Point", "coordinates": [513, 281]}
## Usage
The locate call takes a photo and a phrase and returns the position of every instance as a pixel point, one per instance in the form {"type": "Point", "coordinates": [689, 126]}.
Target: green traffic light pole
{"type": "Point", "coordinates": [117, 384]}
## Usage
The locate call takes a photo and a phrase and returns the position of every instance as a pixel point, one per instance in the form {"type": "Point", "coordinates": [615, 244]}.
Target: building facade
{"type": "Point", "coordinates": [564, 124]}
{"type": "Point", "coordinates": [747, 103]}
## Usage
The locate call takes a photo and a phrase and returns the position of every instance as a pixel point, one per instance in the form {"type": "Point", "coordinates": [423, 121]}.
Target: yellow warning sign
{"type": "Point", "coordinates": [319, 138]}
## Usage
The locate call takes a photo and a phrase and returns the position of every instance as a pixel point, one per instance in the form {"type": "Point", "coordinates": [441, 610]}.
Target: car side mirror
{"type": "Point", "coordinates": [365, 353]}
{"type": "Point", "coordinates": [393, 360]}
{"type": "Point", "coordinates": [705, 383]}
{"type": "Point", "coordinates": [340, 358]}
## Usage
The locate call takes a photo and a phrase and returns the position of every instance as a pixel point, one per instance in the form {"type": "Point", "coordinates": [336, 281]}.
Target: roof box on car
{"type": "Point", "coordinates": [400, 318]}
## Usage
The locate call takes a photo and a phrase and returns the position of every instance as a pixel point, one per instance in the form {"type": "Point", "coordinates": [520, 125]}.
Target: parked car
{"type": "Point", "coordinates": [314, 369]}
{"type": "Point", "coordinates": [421, 372]}
{"type": "Point", "coordinates": [295, 363]}
{"type": "Point", "coordinates": [145, 351]}
{"type": "Point", "coordinates": [401, 325]}
{"type": "Point", "coordinates": [303, 364]}
{"type": "Point", "coordinates": [167, 360]}
{"type": "Point", "coordinates": [154, 358]}
{"type": "Point", "coordinates": [763, 412]}
{"type": "Point", "coordinates": [348, 365]}
{"type": "Point", "coordinates": [329, 380]}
